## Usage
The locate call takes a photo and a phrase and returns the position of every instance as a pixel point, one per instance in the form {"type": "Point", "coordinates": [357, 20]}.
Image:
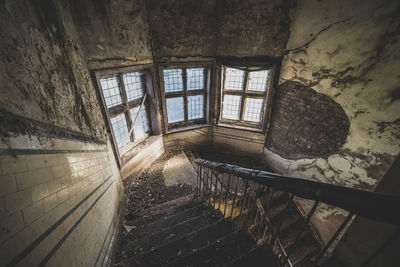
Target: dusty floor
{"type": "Point", "coordinates": [150, 189]}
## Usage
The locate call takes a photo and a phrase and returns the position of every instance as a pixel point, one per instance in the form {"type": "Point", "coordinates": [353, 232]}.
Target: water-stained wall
{"type": "Point", "coordinates": [58, 174]}
{"type": "Point", "coordinates": [350, 55]}
{"type": "Point", "coordinates": [219, 27]}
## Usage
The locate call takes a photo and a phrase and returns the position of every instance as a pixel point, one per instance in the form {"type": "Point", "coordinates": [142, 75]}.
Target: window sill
{"type": "Point", "coordinates": [130, 150]}
{"type": "Point", "coordinates": [187, 128]}
{"type": "Point", "coordinates": [243, 128]}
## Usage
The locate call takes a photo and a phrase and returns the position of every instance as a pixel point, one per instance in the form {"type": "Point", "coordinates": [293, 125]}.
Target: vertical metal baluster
{"type": "Point", "coordinates": [310, 214]}
{"type": "Point", "coordinates": [221, 192]}
{"type": "Point", "coordinates": [260, 226]}
{"type": "Point", "coordinates": [215, 190]}
{"type": "Point", "coordinates": [335, 235]}
{"type": "Point", "coordinates": [208, 185]}
{"type": "Point", "coordinates": [227, 192]}
{"type": "Point", "coordinates": [234, 195]}
{"type": "Point", "coordinates": [200, 168]}
{"type": "Point", "coordinates": [244, 197]}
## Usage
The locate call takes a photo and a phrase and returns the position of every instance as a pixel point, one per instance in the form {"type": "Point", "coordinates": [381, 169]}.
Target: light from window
{"type": "Point", "coordinates": [120, 129]}
{"type": "Point", "coordinates": [231, 107]}
{"type": "Point", "coordinates": [141, 126]}
{"type": "Point", "coordinates": [258, 80]}
{"type": "Point", "coordinates": [244, 94]}
{"type": "Point", "coordinates": [175, 109]}
{"type": "Point", "coordinates": [195, 78]}
{"type": "Point", "coordinates": [133, 85]}
{"type": "Point", "coordinates": [111, 92]}
{"type": "Point", "coordinates": [253, 108]}
{"type": "Point", "coordinates": [234, 79]}
{"type": "Point", "coordinates": [195, 107]}
{"type": "Point", "coordinates": [173, 80]}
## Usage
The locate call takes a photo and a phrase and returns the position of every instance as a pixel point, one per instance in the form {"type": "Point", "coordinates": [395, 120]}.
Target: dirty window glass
{"type": "Point", "coordinates": [173, 80]}
{"type": "Point", "coordinates": [175, 109]}
{"type": "Point", "coordinates": [111, 91]}
{"type": "Point", "coordinates": [195, 107]}
{"type": "Point", "coordinates": [253, 108]}
{"type": "Point", "coordinates": [195, 78]}
{"type": "Point", "coordinates": [133, 85]}
{"type": "Point", "coordinates": [234, 79]}
{"type": "Point", "coordinates": [141, 126]}
{"type": "Point", "coordinates": [120, 129]}
{"type": "Point", "coordinates": [231, 107]}
{"type": "Point", "coordinates": [258, 80]}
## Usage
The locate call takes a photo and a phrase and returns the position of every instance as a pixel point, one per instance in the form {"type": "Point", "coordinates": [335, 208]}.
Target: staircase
{"type": "Point", "coordinates": [238, 217]}
{"type": "Point", "coordinates": [188, 232]}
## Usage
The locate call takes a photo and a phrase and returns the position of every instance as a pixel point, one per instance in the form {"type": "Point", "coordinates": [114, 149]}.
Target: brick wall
{"type": "Point", "coordinates": [305, 123]}
{"type": "Point", "coordinates": [58, 205]}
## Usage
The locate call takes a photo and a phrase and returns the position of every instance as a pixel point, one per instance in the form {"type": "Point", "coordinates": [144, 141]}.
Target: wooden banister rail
{"type": "Point", "coordinates": [371, 205]}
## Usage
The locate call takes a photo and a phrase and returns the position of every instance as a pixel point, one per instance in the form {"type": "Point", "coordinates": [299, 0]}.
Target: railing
{"type": "Point", "coordinates": [243, 196]}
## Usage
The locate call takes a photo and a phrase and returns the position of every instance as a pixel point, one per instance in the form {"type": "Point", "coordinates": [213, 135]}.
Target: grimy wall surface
{"type": "Point", "coordinates": [349, 55]}
{"type": "Point", "coordinates": [346, 52]}
{"type": "Point", "coordinates": [59, 182]}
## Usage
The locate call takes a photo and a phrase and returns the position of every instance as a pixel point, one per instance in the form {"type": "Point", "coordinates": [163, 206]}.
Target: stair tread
{"type": "Point", "coordinates": [220, 252]}
{"type": "Point", "coordinates": [161, 210]}
{"type": "Point", "coordinates": [302, 252]}
{"type": "Point", "coordinates": [184, 245]}
{"type": "Point", "coordinates": [168, 221]}
{"type": "Point", "coordinates": [283, 223]}
{"type": "Point", "coordinates": [145, 243]}
{"type": "Point", "coordinates": [256, 257]}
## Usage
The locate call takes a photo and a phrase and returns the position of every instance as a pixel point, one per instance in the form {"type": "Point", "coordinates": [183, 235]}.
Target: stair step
{"type": "Point", "coordinates": [165, 209]}
{"type": "Point", "coordinates": [258, 257]}
{"type": "Point", "coordinates": [219, 252]}
{"type": "Point", "coordinates": [146, 243]}
{"type": "Point", "coordinates": [302, 253]}
{"type": "Point", "coordinates": [183, 246]}
{"type": "Point", "coordinates": [275, 211]}
{"type": "Point", "coordinates": [168, 221]}
{"type": "Point", "coordinates": [284, 222]}
{"type": "Point", "coordinates": [278, 197]}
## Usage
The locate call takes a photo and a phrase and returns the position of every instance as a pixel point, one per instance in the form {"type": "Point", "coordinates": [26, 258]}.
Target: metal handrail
{"type": "Point", "coordinates": [243, 187]}
{"type": "Point", "coordinates": [371, 205]}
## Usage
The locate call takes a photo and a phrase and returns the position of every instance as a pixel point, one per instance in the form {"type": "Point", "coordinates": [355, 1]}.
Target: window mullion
{"type": "Point", "coordinates": [185, 101]}
{"type": "Point", "coordinates": [245, 85]}
{"type": "Point", "coordinates": [128, 114]}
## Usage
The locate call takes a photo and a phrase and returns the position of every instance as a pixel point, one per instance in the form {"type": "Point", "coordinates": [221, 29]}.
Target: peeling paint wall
{"type": "Point", "coordinates": [113, 33]}
{"type": "Point", "coordinates": [58, 174]}
{"type": "Point", "coordinates": [219, 27]}
{"type": "Point", "coordinates": [352, 56]}
{"type": "Point", "coordinates": [43, 71]}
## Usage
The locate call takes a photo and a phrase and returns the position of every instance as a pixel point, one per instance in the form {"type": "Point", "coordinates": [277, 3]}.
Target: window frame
{"type": "Point", "coordinates": [126, 106]}
{"type": "Point", "coordinates": [244, 93]}
{"type": "Point", "coordinates": [186, 123]}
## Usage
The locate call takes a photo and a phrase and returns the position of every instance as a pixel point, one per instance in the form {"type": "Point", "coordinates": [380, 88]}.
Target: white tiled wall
{"type": "Point", "coordinates": [82, 189]}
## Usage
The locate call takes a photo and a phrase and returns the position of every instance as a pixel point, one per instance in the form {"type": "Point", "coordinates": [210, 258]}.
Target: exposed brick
{"type": "Point", "coordinates": [305, 123]}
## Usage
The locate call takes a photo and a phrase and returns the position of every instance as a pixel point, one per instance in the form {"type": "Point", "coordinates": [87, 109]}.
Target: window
{"type": "Point", "coordinates": [126, 103]}
{"type": "Point", "coordinates": [244, 96]}
{"type": "Point", "coordinates": [185, 93]}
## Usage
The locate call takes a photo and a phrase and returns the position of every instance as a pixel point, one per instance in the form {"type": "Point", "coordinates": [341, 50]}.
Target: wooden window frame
{"type": "Point", "coordinates": [265, 95]}
{"type": "Point", "coordinates": [124, 108]}
{"type": "Point", "coordinates": [186, 124]}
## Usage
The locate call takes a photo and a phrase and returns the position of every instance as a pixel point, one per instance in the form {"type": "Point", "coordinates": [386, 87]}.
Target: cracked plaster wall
{"type": "Point", "coordinates": [44, 74]}
{"type": "Point", "coordinates": [352, 56]}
